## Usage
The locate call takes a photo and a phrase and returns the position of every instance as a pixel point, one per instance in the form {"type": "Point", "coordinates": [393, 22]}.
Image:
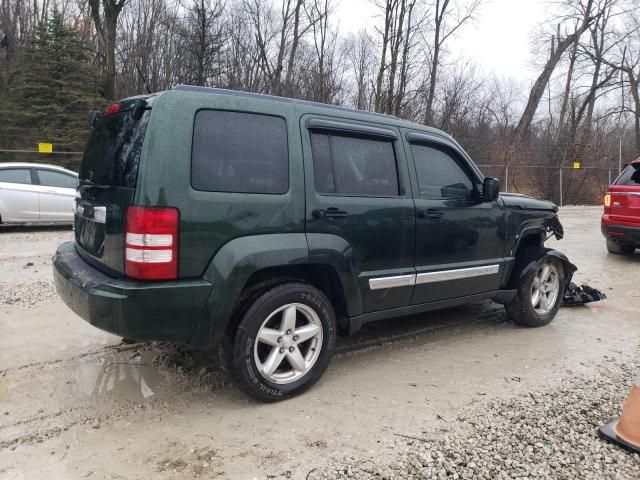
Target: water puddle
{"type": "Point", "coordinates": [129, 375]}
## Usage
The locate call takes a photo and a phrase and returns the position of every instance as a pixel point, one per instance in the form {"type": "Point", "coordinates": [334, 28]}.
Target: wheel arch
{"type": "Point", "coordinates": [527, 259]}
{"type": "Point", "coordinates": [248, 266]}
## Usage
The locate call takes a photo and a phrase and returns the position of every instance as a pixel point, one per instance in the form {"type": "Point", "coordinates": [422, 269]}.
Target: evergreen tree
{"type": "Point", "coordinates": [53, 89]}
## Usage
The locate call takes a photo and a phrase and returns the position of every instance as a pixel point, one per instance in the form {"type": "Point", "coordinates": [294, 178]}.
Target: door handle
{"type": "Point", "coordinates": [430, 214]}
{"type": "Point", "coordinates": [331, 212]}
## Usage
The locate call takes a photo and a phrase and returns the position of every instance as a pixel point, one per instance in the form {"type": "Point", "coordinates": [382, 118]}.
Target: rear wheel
{"type": "Point", "coordinates": [539, 295]}
{"type": "Point", "coordinates": [618, 249]}
{"type": "Point", "coordinates": [283, 343]}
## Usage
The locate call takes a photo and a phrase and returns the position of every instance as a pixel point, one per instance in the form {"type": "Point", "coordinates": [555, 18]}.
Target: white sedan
{"type": "Point", "coordinates": [34, 192]}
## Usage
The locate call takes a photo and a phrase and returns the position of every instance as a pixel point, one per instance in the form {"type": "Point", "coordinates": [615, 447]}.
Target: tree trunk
{"type": "Point", "coordinates": [388, 13]}
{"type": "Point", "coordinates": [543, 79]}
{"type": "Point", "coordinates": [433, 72]}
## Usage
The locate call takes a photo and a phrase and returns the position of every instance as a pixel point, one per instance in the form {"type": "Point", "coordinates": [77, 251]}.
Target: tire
{"type": "Point", "coordinates": [266, 324]}
{"type": "Point", "coordinates": [618, 249]}
{"type": "Point", "coordinates": [524, 309]}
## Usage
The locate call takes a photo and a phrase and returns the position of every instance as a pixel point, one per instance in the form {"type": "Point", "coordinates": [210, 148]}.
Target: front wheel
{"type": "Point", "coordinates": [539, 295]}
{"type": "Point", "coordinates": [283, 343]}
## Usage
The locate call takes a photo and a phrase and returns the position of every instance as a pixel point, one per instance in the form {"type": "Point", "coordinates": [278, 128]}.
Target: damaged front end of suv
{"type": "Point", "coordinates": [540, 270]}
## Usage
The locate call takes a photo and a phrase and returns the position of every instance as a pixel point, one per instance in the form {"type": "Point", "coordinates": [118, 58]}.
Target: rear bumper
{"type": "Point", "coordinates": [622, 233]}
{"type": "Point", "coordinates": [164, 311]}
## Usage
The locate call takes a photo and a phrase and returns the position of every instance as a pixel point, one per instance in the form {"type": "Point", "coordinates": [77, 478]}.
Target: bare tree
{"type": "Point", "coordinates": [105, 15]}
{"type": "Point", "coordinates": [360, 55]}
{"type": "Point", "coordinates": [448, 18]}
{"type": "Point", "coordinates": [559, 45]}
{"type": "Point", "coordinates": [204, 40]}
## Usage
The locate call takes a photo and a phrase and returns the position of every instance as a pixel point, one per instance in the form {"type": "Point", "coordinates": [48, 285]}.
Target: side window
{"type": "Point", "coordinates": [440, 174]}
{"type": "Point", "coordinates": [239, 152]}
{"type": "Point", "coordinates": [351, 165]}
{"type": "Point", "coordinates": [50, 178]}
{"type": "Point", "coordinates": [15, 175]}
{"type": "Point", "coordinates": [630, 176]}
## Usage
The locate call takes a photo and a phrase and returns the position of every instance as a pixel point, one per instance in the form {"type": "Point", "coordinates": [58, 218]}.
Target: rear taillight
{"type": "Point", "coordinates": [111, 109]}
{"type": "Point", "coordinates": [607, 200]}
{"type": "Point", "coordinates": [151, 243]}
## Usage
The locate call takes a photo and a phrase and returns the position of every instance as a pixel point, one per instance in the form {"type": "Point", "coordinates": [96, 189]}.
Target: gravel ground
{"type": "Point", "coordinates": [27, 294]}
{"type": "Point", "coordinates": [552, 434]}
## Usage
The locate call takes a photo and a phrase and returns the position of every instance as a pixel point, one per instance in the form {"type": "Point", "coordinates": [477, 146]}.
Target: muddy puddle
{"type": "Point", "coordinates": [127, 375]}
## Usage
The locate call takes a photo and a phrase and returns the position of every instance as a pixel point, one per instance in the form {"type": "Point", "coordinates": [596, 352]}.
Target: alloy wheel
{"type": "Point", "coordinates": [288, 343]}
{"type": "Point", "coordinates": [545, 288]}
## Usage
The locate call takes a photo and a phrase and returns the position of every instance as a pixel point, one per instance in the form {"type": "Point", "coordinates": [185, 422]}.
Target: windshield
{"type": "Point", "coordinates": [113, 151]}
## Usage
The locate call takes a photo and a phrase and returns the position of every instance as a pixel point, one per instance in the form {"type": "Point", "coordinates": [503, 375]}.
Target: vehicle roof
{"type": "Point", "coordinates": [31, 165]}
{"type": "Point", "coordinates": [636, 161]}
{"type": "Point", "coordinates": [390, 119]}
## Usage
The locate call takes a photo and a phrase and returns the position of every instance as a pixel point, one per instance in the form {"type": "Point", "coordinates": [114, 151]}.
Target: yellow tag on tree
{"type": "Point", "coordinates": [45, 148]}
{"type": "Point", "coordinates": [576, 165]}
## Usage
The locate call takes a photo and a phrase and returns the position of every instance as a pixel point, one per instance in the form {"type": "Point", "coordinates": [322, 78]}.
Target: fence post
{"type": "Point", "coordinates": [561, 186]}
{"type": "Point", "coordinates": [609, 175]}
{"type": "Point", "coordinates": [506, 178]}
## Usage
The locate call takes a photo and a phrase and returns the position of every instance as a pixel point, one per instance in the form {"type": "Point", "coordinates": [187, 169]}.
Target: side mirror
{"type": "Point", "coordinates": [490, 189]}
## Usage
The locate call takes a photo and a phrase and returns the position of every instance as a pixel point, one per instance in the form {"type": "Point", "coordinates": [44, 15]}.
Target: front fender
{"type": "Point", "coordinates": [528, 260]}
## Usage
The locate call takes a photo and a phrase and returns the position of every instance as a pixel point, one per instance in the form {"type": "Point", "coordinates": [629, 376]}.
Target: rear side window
{"type": "Point", "coordinates": [15, 175]}
{"type": "Point", "coordinates": [50, 178]}
{"type": "Point", "coordinates": [113, 151]}
{"type": "Point", "coordinates": [439, 173]}
{"type": "Point", "coordinates": [630, 176]}
{"type": "Point", "coordinates": [239, 152]}
{"type": "Point", "coordinates": [350, 165]}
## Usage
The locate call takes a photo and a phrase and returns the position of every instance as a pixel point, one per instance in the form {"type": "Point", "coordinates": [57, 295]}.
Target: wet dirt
{"type": "Point", "coordinates": [77, 403]}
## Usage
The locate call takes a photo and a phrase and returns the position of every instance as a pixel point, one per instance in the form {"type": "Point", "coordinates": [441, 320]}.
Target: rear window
{"type": "Point", "coordinates": [15, 175]}
{"type": "Point", "coordinates": [239, 152]}
{"type": "Point", "coordinates": [113, 151]}
{"type": "Point", "coordinates": [630, 176]}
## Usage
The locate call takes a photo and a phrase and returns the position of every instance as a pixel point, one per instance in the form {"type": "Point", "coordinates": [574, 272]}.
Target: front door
{"type": "Point", "coordinates": [358, 197]}
{"type": "Point", "coordinates": [459, 238]}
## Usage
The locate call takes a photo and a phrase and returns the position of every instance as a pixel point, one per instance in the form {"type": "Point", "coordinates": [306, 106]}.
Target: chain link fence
{"type": "Point", "coordinates": [561, 185]}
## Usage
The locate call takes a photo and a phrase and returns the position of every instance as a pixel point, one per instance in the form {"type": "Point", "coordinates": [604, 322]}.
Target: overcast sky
{"type": "Point", "coordinates": [498, 41]}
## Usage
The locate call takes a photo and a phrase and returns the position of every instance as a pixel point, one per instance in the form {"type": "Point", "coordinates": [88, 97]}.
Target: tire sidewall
{"type": "Point", "coordinates": [251, 379]}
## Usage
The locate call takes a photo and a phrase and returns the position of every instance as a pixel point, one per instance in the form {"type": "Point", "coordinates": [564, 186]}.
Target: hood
{"type": "Point", "coordinates": [524, 202]}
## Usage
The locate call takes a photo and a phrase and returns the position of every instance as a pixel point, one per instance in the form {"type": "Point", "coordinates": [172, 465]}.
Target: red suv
{"type": "Point", "coordinates": [621, 218]}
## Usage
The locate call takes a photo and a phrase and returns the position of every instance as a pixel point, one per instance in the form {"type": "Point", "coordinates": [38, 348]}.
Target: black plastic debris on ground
{"type": "Point", "coordinates": [574, 295]}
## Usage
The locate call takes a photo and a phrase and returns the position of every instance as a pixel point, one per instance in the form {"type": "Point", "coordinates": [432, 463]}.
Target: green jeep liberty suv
{"type": "Point", "coordinates": [205, 215]}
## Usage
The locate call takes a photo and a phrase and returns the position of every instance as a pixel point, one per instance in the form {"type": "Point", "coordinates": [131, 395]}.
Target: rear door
{"type": "Point", "coordinates": [459, 238]}
{"type": "Point", "coordinates": [107, 181]}
{"type": "Point", "coordinates": [357, 188]}
{"type": "Point", "coordinates": [18, 199]}
{"type": "Point", "coordinates": [625, 196]}
{"type": "Point", "coordinates": [56, 191]}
